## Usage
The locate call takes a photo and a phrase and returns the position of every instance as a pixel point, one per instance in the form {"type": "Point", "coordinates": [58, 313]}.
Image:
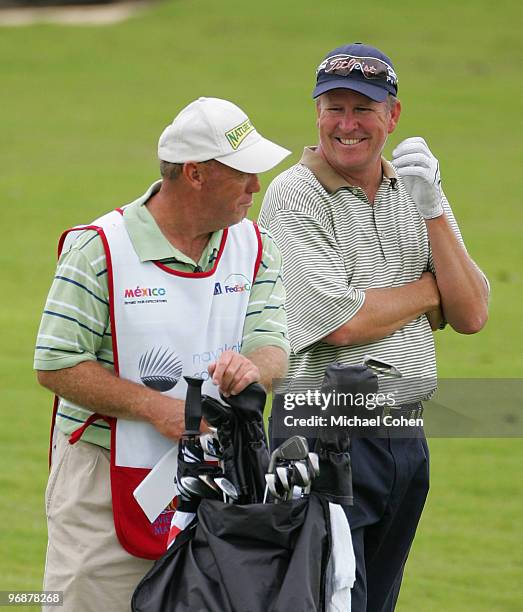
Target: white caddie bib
{"type": "Point", "coordinates": [165, 325]}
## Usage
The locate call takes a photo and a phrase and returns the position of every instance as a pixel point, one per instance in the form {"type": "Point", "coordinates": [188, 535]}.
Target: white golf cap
{"type": "Point", "coordinates": [210, 128]}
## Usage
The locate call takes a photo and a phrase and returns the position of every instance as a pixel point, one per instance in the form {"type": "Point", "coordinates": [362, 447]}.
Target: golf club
{"type": "Point", "coordinates": [191, 486]}
{"type": "Point", "coordinates": [227, 488]}
{"type": "Point", "coordinates": [293, 449]}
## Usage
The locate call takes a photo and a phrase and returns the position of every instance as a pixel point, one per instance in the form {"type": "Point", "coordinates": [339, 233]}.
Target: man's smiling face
{"type": "Point", "coordinates": [353, 130]}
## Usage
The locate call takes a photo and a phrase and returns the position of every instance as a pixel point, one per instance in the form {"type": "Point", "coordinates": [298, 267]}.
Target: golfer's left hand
{"type": "Point", "coordinates": [419, 170]}
{"type": "Point", "coordinates": [233, 372]}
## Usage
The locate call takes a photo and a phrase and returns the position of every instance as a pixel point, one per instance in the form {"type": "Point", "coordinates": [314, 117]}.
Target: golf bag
{"type": "Point", "coordinates": [239, 558]}
{"type": "Point", "coordinates": [250, 556]}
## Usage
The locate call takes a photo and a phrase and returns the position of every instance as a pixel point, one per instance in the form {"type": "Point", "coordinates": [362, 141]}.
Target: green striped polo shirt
{"type": "Point", "coordinates": [334, 246]}
{"type": "Point", "coordinates": [75, 324]}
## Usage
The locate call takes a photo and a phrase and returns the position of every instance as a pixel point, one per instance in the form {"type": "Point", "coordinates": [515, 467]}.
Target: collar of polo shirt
{"type": "Point", "coordinates": [329, 179]}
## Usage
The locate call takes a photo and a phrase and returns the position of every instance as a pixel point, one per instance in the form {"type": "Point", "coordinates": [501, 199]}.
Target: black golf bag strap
{"type": "Point", "coordinates": [193, 405]}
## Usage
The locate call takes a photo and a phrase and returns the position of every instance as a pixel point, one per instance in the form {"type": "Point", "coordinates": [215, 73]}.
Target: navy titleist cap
{"type": "Point", "coordinates": [359, 67]}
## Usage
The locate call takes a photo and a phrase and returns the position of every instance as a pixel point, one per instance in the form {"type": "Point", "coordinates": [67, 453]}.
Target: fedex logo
{"type": "Point", "coordinates": [234, 283]}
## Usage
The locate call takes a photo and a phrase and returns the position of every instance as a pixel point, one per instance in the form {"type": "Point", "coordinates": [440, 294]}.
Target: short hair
{"type": "Point", "coordinates": [170, 171]}
{"type": "Point", "coordinates": [391, 102]}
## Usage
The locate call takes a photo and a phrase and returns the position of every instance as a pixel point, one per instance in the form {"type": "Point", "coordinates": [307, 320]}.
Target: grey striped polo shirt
{"type": "Point", "coordinates": [335, 245]}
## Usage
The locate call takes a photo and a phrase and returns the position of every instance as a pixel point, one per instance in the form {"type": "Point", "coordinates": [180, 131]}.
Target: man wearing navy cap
{"type": "Point", "coordinates": [373, 263]}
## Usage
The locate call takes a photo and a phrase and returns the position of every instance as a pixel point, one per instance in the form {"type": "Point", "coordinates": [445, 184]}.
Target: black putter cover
{"type": "Point", "coordinates": [356, 382]}
{"type": "Point", "coordinates": [214, 412]}
{"type": "Point", "coordinates": [249, 404]}
{"type": "Point", "coordinates": [221, 416]}
{"type": "Point", "coordinates": [249, 441]}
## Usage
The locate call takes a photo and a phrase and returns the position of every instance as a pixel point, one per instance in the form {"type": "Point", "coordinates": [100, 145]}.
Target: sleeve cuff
{"type": "Point", "coordinates": [305, 337]}
{"type": "Point", "coordinates": [257, 343]}
{"type": "Point", "coordinates": [60, 363]}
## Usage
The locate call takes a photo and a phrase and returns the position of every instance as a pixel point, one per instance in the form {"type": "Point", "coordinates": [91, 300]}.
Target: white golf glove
{"type": "Point", "coordinates": [419, 170]}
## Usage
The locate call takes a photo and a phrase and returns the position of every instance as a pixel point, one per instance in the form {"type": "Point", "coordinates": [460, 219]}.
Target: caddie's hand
{"type": "Point", "coordinates": [419, 170]}
{"type": "Point", "coordinates": [233, 372]}
{"type": "Point", "coordinates": [168, 416]}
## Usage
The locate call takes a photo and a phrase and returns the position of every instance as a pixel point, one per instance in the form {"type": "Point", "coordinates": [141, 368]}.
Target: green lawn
{"type": "Point", "coordinates": [81, 111]}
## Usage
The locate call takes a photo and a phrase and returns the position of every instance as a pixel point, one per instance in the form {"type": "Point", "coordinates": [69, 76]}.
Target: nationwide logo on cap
{"type": "Point", "coordinates": [239, 133]}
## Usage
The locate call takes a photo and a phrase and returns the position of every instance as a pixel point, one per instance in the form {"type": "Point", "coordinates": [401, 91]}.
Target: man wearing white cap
{"type": "Point", "coordinates": [176, 283]}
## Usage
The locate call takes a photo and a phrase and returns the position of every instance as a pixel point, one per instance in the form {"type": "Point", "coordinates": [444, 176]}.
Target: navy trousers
{"type": "Point", "coordinates": [391, 482]}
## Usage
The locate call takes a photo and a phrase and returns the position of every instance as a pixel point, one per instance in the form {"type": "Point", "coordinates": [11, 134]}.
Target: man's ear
{"type": "Point", "coordinates": [192, 173]}
{"type": "Point", "coordinates": [394, 116]}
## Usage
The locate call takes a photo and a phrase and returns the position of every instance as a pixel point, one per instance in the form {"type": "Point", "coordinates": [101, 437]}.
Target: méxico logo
{"type": "Point", "coordinates": [140, 292]}
{"type": "Point", "coordinates": [234, 283]}
{"type": "Point", "coordinates": [145, 295]}
{"type": "Point", "coordinates": [239, 133]}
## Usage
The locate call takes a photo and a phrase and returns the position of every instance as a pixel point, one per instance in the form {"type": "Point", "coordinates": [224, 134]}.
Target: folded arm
{"type": "Point", "coordinates": [462, 286]}
{"type": "Point", "coordinates": [387, 310]}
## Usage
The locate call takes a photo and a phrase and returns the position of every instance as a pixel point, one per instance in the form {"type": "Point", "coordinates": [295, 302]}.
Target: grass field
{"type": "Point", "coordinates": [82, 108]}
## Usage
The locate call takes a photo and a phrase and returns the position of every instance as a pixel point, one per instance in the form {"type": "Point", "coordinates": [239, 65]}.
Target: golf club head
{"type": "Point", "coordinates": [301, 477]}
{"type": "Point", "coordinates": [209, 481]}
{"type": "Point", "coordinates": [191, 451]}
{"type": "Point", "coordinates": [198, 487]}
{"type": "Point", "coordinates": [298, 493]}
{"type": "Point", "coordinates": [211, 446]}
{"type": "Point", "coordinates": [381, 367]}
{"type": "Point", "coordinates": [314, 464]}
{"type": "Point", "coordinates": [272, 485]}
{"type": "Point", "coordinates": [282, 474]}
{"type": "Point", "coordinates": [295, 448]}
{"type": "Point", "coordinates": [227, 487]}
{"type": "Point", "coordinates": [191, 486]}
